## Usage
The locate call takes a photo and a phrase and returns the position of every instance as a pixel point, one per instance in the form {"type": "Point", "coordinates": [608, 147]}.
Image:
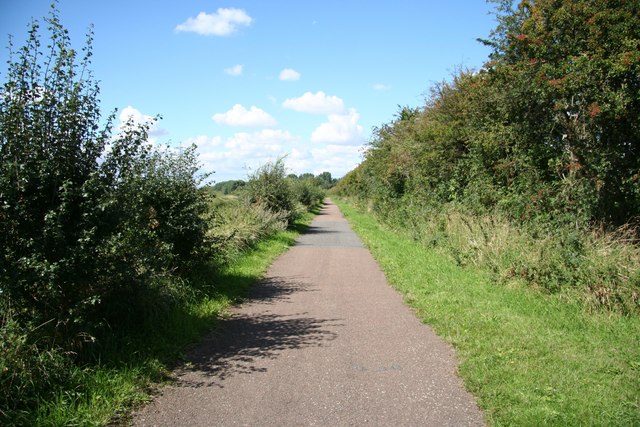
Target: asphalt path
{"type": "Point", "coordinates": [321, 341]}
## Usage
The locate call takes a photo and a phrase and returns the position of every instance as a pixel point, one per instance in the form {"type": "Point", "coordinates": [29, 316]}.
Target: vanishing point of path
{"type": "Point", "coordinates": [321, 341]}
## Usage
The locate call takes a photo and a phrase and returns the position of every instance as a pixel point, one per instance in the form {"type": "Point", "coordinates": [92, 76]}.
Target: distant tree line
{"type": "Point", "coordinates": [229, 187]}
{"type": "Point", "coordinates": [324, 180]}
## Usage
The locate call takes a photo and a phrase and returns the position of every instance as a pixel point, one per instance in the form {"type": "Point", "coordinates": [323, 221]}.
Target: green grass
{"type": "Point", "coordinates": [136, 365]}
{"type": "Point", "coordinates": [530, 359]}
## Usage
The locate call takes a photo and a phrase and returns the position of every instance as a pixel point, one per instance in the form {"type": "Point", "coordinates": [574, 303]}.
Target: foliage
{"type": "Point", "coordinates": [229, 187]}
{"type": "Point", "coordinates": [544, 137]}
{"type": "Point", "coordinates": [26, 370]}
{"type": "Point", "coordinates": [307, 192]}
{"type": "Point", "coordinates": [109, 245]}
{"type": "Point", "coordinates": [98, 229]}
{"type": "Point", "coordinates": [236, 225]}
{"type": "Point", "coordinates": [271, 188]}
{"type": "Point", "coordinates": [326, 181]}
{"type": "Point", "coordinates": [268, 187]}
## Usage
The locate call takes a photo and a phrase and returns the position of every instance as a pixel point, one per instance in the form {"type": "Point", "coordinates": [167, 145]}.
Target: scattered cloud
{"type": "Point", "coordinates": [316, 103]}
{"type": "Point", "coordinates": [289, 74]}
{"type": "Point", "coordinates": [203, 142]}
{"type": "Point", "coordinates": [337, 159]}
{"type": "Point", "coordinates": [269, 140]}
{"type": "Point", "coordinates": [222, 23]}
{"type": "Point", "coordinates": [137, 118]}
{"type": "Point", "coordinates": [335, 145]}
{"type": "Point", "coordinates": [236, 70]}
{"type": "Point", "coordinates": [235, 156]}
{"type": "Point", "coordinates": [340, 129]}
{"type": "Point", "coordinates": [380, 87]}
{"type": "Point", "coordinates": [243, 151]}
{"type": "Point", "coordinates": [240, 116]}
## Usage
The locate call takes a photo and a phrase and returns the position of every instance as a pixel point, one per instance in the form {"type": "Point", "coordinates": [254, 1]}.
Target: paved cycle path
{"type": "Point", "coordinates": [321, 341]}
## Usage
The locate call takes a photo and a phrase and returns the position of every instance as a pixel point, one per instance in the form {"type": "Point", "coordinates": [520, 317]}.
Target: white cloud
{"type": "Point", "coordinates": [243, 151]}
{"type": "Point", "coordinates": [203, 142]}
{"type": "Point", "coordinates": [138, 118]}
{"type": "Point", "coordinates": [380, 86]}
{"type": "Point", "coordinates": [265, 139]}
{"type": "Point", "coordinates": [337, 159]}
{"type": "Point", "coordinates": [289, 74]}
{"type": "Point", "coordinates": [222, 23]}
{"type": "Point", "coordinates": [133, 114]}
{"type": "Point", "coordinates": [235, 156]}
{"type": "Point", "coordinates": [316, 103]}
{"type": "Point", "coordinates": [340, 129]}
{"type": "Point", "coordinates": [236, 70]}
{"type": "Point", "coordinates": [240, 116]}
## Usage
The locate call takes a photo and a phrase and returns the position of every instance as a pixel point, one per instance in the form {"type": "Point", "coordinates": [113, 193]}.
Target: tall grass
{"type": "Point", "coordinates": [237, 225]}
{"type": "Point", "coordinates": [599, 269]}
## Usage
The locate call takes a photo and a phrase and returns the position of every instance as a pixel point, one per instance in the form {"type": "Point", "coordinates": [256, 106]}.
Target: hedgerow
{"type": "Point", "coordinates": [544, 137]}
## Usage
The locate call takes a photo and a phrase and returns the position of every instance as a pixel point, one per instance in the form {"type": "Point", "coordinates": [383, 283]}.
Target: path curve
{"type": "Point", "coordinates": [321, 341]}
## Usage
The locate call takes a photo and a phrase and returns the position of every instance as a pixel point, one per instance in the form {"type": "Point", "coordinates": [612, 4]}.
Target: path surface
{"type": "Point", "coordinates": [322, 341]}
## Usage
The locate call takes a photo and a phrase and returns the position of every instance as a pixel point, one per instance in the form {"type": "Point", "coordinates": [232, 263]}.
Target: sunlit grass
{"type": "Point", "coordinates": [530, 359]}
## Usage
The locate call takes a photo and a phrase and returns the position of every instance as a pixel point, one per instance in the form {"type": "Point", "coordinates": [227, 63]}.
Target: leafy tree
{"type": "Point", "coordinates": [50, 145]}
{"type": "Point", "coordinates": [98, 230]}
{"type": "Point", "coordinates": [307, 191]}
{"type": "Point", "coordinates": [306, 175]}
{"type": "Point", "coordinates": [325, 180]}
{"type": "Point", "coordinates": [570, 70]}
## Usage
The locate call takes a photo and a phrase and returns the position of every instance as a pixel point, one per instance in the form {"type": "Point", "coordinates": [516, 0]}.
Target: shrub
{"type": "Point", "coordinates": [538, 146]}
{"type": "Point", "coordinates": [268, 187]}
{"type": "Point", "coordinates": [307, 192]}
{"type": "Point", "coordinates": [235, 225]}
{"type": "Point", "coordinates": [600, 269]}
{"type": "Point", "coordinates": [50, 185]}
{"type": "Point", "coordinates": [98, 230]}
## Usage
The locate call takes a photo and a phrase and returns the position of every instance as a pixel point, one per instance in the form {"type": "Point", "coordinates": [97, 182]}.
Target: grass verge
{"type": "Point", "coordinates": [530, 359]}
{"type": "Point", "coordinates": [137, 364]}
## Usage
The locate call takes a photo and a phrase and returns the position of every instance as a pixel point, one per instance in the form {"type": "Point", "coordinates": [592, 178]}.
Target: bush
{"type": "Point", "coordinates": [229, 187]}
{"type": "Point", "coordinates": [539, 146]}
{"type": "Point", "coordinates": [307, 192]}
{"type": "Point", "coordinates": [236, 225]}
{"type": "Point", "coordinates": [269, 187]}
{"type": "Point", "coordinates": [99, 230]}
{"type": "Point", "coordinates": [599, 269]}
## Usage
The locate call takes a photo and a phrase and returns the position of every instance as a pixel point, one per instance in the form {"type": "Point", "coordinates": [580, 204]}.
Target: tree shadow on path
{"type": "Point", "coordinates": [275, 290]}
{"type": "Point", "coordinates": [242, 341]}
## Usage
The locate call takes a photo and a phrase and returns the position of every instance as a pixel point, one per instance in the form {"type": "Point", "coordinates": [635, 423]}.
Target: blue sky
{"type": "Point", "coordinates": [252, 80]}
